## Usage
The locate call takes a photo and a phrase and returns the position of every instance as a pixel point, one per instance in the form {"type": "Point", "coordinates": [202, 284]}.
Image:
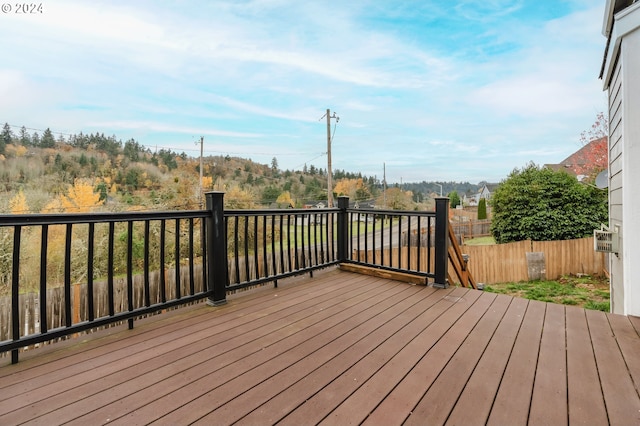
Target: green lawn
{"type": "Point", "coordinates": [587, 292]}
{"type": "Point", "coordinates": [480, 241]}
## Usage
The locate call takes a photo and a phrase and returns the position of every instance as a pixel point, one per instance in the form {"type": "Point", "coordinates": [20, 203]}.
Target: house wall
{"type": "Point", "coordinates": [615, 184]}
{"type": "Point", "coordinates": [622, 80]}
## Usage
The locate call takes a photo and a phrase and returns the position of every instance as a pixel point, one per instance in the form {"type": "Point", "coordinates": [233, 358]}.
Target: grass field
{"type": "Point", "coordinates": [479, 241]}
{"type": "Point", "coordinates": [587, 292]}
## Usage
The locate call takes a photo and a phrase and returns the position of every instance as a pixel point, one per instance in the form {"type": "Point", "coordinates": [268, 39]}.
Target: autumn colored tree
{"type": "Point", "coordinates": [599, 129]}
{"type": "Point", "coordinates": [207, 183]}
{"type": "Point", "coordinates": [18, 204]}
{"type": "Point", "coordinates": [237, 197]}
{"type": "Point", "coordinates": [355, 189]}
{"type": "Point", "coordinates": [396, 199]}
{"type": "Point", "coordinates": [81, 198]}
{"type": "Point", "coordinates": [285, 199]}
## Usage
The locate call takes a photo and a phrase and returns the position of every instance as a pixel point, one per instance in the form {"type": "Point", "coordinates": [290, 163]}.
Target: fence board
{"type": "Point", "coordinates": [507, 262]}
{"type": "Point", "coordinates": [500, 263]}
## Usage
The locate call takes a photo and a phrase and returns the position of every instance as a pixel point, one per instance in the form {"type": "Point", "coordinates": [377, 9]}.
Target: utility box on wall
{"type": "Point", "coordinates": [606, 240]}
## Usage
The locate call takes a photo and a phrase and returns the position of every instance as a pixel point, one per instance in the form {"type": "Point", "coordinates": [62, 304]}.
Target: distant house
{"type": "Point", "coordinates": [315, 204]}
{"type": "Point", "coordinates": [276, 205]}
{"type": "Point", "coordinates": [620, 74]}
{"type": "Point", "coordinates": [485, 192]}
{"type": "Point", "coordinates": [587, 161]}
{"type": "Point", "coordinates": [363, 204]}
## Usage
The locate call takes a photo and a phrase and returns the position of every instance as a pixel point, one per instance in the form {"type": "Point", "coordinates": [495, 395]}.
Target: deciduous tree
{"type": "Point", "coordinates": [285, 199]}
{"type": "Point", "coordinates": [540, 204]}
{"type": "Point", "coordinates": [396, 199]}
{"type": "Point", "coordinates": [599, 129]}
{"type": "Point", "coordinates": [82, 198]}
{"type": "Point", "coordinates": [18, 204]}
{"type": "Point", "coordinates": [355, 189]}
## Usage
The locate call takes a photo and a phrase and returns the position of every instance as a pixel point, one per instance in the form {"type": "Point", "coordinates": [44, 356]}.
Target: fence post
{"type": "Point", "coordinates": [343, 228]}
{"type": "Point", "coordinates": [441, 242]}
{"type": "Point", "coordinates": [216, 249]}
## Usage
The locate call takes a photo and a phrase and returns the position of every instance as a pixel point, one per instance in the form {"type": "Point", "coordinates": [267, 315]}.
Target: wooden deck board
{"type": "Point", "coordinates": [620, 395]}
{"type": "Point", "coordinates": [511, 405]}
{"type": "Point", "coordinates": [339, 348]}
{"type": "Point", "coordinates": [321, 404]}
{"type": "Point", "coordinates": [203, 379]}
{"type": "Point", "coordinates": [549, 399]}
{"type": "Point", "coordinates": [437, 403]}
{"type": "Point", "coordinates": [364, 356]}
{"type": "Point", "coordinates": [478, 394]}
{"type": "Point", "coordinates": [585, 400]}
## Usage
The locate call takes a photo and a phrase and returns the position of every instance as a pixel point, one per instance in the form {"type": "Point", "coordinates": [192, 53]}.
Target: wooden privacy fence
{"type": "Point", "coordinates": [500, 263]}
{"type": "Point", "coordinates": [471, 228]}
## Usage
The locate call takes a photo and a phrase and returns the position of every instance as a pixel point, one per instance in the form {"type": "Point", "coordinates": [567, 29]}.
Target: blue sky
{"type": "Point", "coordinates": [435, 90]}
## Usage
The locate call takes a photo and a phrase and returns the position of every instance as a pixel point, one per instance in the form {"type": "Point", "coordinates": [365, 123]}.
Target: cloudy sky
{"type": "Point", "coordinates": [463, 90]}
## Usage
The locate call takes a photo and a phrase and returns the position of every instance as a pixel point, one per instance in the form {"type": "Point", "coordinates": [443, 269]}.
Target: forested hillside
{"type": "Point", "coordinates": [41, 173]}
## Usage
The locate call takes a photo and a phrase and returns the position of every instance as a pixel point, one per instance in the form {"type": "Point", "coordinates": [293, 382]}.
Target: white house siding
{"type": "Point", "coordinates": [615, 184]}
{"type": "Point", "coordinates": [622, 80]}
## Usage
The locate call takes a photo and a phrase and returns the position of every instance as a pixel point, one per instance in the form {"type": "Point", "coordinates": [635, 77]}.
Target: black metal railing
{"type": "Point", "coordinates": [69, 273]}
{"type": "Point", "coordinates": [404, 241]}
{"type": "Point", "coordinates": [145, 262]}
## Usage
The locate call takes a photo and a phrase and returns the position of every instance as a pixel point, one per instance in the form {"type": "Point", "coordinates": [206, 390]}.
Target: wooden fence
{"type": "Point", "coordinates": [471, 229]}
{"type": "Point", "coordinates": [499, 263]}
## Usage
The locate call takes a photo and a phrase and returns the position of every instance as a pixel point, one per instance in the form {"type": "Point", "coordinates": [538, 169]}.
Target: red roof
{"type": "Point", "coordinates": [588, 160]}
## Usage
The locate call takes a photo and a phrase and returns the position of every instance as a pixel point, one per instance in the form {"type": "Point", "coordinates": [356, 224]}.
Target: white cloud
{"type": "Point", "coordinates": [399, 74]}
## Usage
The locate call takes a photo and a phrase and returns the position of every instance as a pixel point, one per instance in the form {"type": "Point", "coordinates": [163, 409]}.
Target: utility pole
{"type": "Point", "coordinates": [329, 172]}
{"type": "Point", "coordinates": [384, 184]}
{"type": "Point", "coordinates": [440, 188]}
{"type": "Point", "coordinates": [201, 152]}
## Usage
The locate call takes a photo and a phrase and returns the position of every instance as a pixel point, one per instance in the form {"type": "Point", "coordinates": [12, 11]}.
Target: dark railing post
{"type": "Point", "coordinates": [441, 242]}
{"type": "Point", "coordinates": [343, 228]}
{"type": "Point", "coordinates": [216, 250]}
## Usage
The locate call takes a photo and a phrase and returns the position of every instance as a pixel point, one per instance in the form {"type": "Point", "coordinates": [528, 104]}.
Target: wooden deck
{"type": "Point", "coordinates": [340, 348]}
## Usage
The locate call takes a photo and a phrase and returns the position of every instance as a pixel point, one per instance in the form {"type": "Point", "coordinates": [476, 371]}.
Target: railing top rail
{"type": "Point", "coordinates": [392, 212]}
{"type": "Point", "coordinates": [73, 218]}
{"type": "Point", "coordinates": [269, 212]}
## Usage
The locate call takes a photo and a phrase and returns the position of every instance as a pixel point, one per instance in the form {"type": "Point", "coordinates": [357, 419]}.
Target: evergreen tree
{"type": "Point", "coordinates": [482, 209]}
{"type": "Point", "coordinates": [25, 138]}
{"type": "Point", "coordinates": [454, 199]}
{"type": "Point", "coordinates": [48, 141]}
{"type": "Point", "coordinates": [6, 137]}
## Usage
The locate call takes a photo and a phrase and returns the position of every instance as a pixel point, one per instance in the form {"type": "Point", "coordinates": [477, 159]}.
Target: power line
{"type": "Point", "coordinates": [173, 148]}
{"type": "Point", "coordinates": [40, 130]}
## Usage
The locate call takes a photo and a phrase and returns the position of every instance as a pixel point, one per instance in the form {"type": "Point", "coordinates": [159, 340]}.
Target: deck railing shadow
{"type": "Point", "coordinates": [132, 265]}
